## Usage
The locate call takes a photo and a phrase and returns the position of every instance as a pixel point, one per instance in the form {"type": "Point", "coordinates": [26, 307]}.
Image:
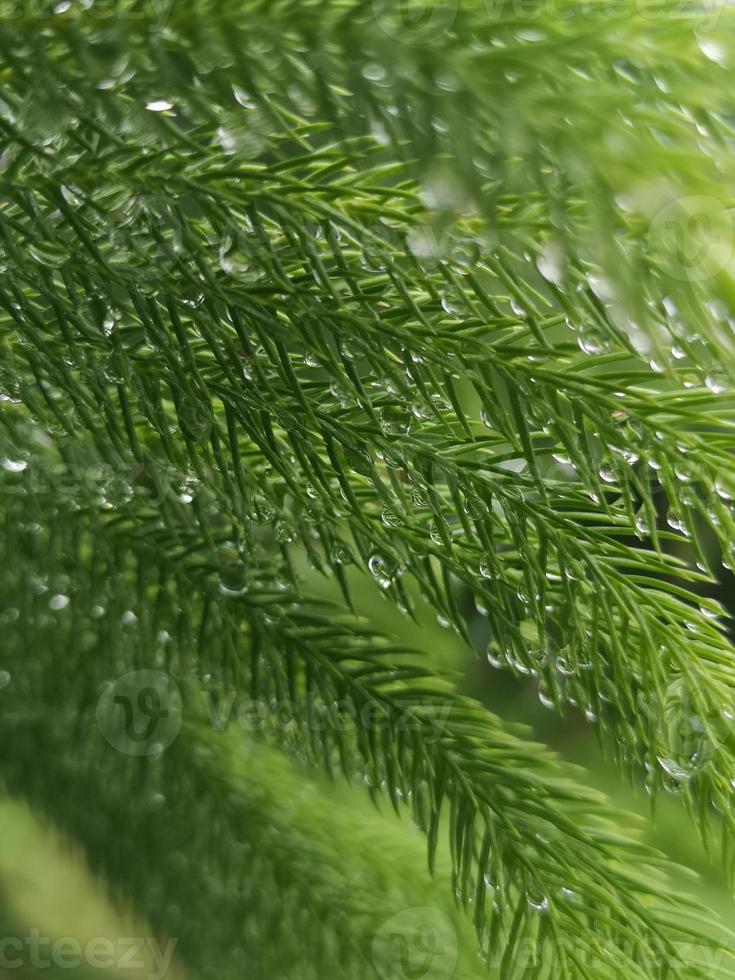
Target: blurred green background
{"type": "Point", "coordinates": [45, 884]}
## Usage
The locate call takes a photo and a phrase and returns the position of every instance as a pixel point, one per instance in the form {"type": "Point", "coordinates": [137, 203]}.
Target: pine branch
{"type": "Point", "coordinates": [219, 840]}
{"type": "Point", "coordinates": [287, 280]}
{"type": "Point", "coordinates": [532, 850]}
{"type": "Point", "coordinates": [544, 556]}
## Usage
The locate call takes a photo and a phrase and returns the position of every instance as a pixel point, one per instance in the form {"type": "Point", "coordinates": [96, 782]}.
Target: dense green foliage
{"type": "Point", "coordinates": [437, 300]}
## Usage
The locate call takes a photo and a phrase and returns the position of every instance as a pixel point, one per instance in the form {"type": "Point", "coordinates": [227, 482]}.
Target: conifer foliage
{"type": "Point", "coordinates": [431, 298]}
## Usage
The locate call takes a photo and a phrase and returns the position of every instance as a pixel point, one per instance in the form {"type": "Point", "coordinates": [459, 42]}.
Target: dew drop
{"type": "Point", "coordinates": [284, 532]}
{"type": "Point", "coordinates": [675, 521]}
{"type": "Point", "coordinates": [539, 903]}
{"type": "Point", "coordinates": [382, 570]}
{"type": "Point", "coordinates": [243, 98]}
{"type": "Point", "coordinates": [389, 518]}
{"type": "Point", "coordinates": [14, 465]}
{"type": "Point", "coordinates": [495, 656]}
{"type": "Point", "coordinates": [716, 382]}
{"type": "Point", "coordinates": [591, 343]}
{"type": "Point", "coordinates": [233, 579]}
{"type": "Point", "coordinates": [545, 698]}
{"type": "Point", "coordinates": [714, 50]}
{"type": "Point", "coordinates": [679, 772]}
{"type": "Point", "coordinates": [156, 801]}
{"type": "Point", "coordinates": [373, 72]}
{"type": "Point", "coordinates": [438, 531]}
{"type": "Point", "coordinates": [642, 525]}
{"type": "Point", "coordinates": [561, 459]}
{"type": "Point", "coordinates": [517, 309]}
{"type": "Point", "coordinates": [550, 264]}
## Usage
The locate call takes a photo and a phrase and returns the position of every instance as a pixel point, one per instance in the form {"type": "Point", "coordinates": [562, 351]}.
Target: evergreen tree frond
{"type": "Point", "coordinates": [283, 281]}
{"type": "Point", "coordinates": [238, 847]}
{"type": "Point", "coordinates": [531, 849]}
{"type": "Point", "coordinates": [329, 403]}
{"type": "Point", "coordinates": [576, 133]}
